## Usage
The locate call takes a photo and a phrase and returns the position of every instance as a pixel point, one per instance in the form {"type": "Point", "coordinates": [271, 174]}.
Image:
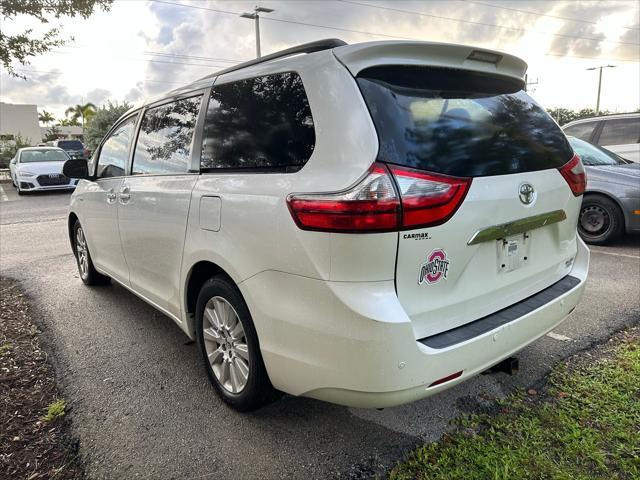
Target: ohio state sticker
{"type": "Point", "coordinates": [435, 268]}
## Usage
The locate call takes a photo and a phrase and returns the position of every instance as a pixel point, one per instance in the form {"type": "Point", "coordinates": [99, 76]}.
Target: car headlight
{"type": "Point", "coordinates": [23, 173]}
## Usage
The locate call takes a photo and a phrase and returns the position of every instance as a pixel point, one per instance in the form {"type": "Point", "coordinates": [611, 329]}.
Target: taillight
{"type": "Point", "coordinates": [370, 206]}
{"type": "Point", "coordinates": [428, 199]}
{"type": "Point", "coordinates": [573, 172]}
{"type": "Point", "coordinates": [373, 205]}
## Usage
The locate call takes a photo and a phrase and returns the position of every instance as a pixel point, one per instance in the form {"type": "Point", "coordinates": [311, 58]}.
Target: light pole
{"type": "Point", "coordinates": [255, 16]}
{"type": "Point", "coordinates": [600, 83]}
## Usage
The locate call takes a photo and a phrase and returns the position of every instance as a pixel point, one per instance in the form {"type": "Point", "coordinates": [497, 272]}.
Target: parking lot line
{"type": "Point", "coordinates": [3, 196]}
{"type": "Point", "coordinates": [614, 254]}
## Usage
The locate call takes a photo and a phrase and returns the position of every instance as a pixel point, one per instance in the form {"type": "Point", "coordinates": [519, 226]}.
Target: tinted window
{"type": "Point", "coordinates": [70, 145]}
{"type": "Point", "coordinates": [620, 132]}
{"type": "Point", "coordinates": [459, 123]}
{"type": "Point", "coordinates": [164, 141]}
{"type": "Point", "coordinates": [581, 130]}
{"type": "Point", "coordinates": [261, 123]}
{"type": "Point", "coordinates": [33, 156]}
{"type": "Point", "coordinates": [593, 156]}
{"type": "Point", "coordinates": [115, 150]}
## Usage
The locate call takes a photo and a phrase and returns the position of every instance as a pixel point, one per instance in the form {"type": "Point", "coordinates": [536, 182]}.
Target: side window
{"type": "Point", "coordinates": [582, 131]}
{"type": "Point", "coordinates": [620, 132]}
{"type": "Point", "coordinates": [164, 141]}
{"type": "Point", "coordinates": [259, 123]}
{"type": "Point", "coordinates": [113, 154]}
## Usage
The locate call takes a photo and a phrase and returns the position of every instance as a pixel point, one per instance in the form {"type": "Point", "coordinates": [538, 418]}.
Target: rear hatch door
{"type": "Point", "coordinates": [514, 233]}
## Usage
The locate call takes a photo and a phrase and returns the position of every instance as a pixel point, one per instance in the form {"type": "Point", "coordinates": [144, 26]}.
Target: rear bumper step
{"type": "Point", "coordinates": [501, 317]}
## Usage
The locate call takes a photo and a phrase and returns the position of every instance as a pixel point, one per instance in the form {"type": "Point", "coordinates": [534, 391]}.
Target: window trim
{"type": "Point", "coordinates": [193, 147]}
{"type": "Point", "coordinates": [247, 170]}
{"type": "Point", "coordinates": [94, 173]}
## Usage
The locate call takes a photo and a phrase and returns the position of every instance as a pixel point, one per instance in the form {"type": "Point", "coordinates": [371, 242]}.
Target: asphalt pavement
{"type": "Point", "coordinates": [142, 407]}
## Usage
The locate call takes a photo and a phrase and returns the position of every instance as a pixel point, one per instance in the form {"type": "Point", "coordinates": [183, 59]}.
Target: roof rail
{"type": "Point", "coordinates": [310, 47]}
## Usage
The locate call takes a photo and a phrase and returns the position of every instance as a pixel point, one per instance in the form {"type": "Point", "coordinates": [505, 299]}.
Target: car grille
{"type": "Point", "coordinates": [53, 179]}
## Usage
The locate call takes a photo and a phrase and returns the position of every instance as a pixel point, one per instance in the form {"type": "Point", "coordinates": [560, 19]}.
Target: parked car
{"type": "Point", "coordinates": [619, 133]}
{"type": "Point", "coordinates": [364, 224]}
{"type": "Point", "coordinates": [39, 168]}
{"type": "Point", "coordinates": [74, 148]}
{"type": "Point", "coordinates": [611, 203]}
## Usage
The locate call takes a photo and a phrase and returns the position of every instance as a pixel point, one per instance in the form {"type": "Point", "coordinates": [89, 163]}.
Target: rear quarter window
{"type": "Point", "coordinates": [621, 131]}
{"type": "Point", "coordinates": [262, 123]}
{"type": "Point", "coordinates": [459, 123]}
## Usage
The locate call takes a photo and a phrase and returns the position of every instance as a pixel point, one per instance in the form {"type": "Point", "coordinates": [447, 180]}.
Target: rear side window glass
{"type": "Point", "coordinates": [115, 150]}
{"type": "Point", "coordinates": [583, 131]}
{"type": "Point", "coordinates": [164, 141]}
{"type": "Point", "coordinates": [261, 123]}
{"type": "Point", "coordinates": [459, 123]}
{"type": "Point", "coordinates": [70, 144]}
{"type": "Point", "coordinates": [620, 131]}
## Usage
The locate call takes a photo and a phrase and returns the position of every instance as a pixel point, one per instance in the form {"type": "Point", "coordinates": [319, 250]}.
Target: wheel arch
{"type": "Point", "coordinates": [71, 221]}
{"type": "Point", "coordinates": [197, 275]}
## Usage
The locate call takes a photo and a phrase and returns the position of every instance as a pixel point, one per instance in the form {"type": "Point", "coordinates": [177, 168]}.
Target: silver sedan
{"type": "Point", "coordinates": [611, 204]}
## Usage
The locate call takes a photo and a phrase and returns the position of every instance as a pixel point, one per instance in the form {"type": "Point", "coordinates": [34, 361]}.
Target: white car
{"type": "Point", "coordinates": [39, 168]}
{"type": "Point", "coordinates": [364, 224]}
{"type": "Point", "coordinates": [619, 133]}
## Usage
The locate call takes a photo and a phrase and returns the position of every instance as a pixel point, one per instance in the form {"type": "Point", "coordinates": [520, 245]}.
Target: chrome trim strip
{"type": "Point", "coordinates": [523, 225]}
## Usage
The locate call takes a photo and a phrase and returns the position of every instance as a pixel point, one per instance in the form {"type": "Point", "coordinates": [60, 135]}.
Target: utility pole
{"type": "Point", "coordinates": [255, 16]}
{"type": "Point", "coordinates": [600, 83]}
{"type": "Point", "coordinates": [527, 83]}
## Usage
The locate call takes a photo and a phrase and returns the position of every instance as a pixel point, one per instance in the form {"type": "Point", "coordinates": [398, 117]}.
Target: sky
{"type": "Point", "coordinates": [141, 48]}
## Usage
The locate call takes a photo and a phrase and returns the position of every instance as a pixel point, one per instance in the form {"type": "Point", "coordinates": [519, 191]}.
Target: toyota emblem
{"type": "Point", "coordinates": [527, 193]}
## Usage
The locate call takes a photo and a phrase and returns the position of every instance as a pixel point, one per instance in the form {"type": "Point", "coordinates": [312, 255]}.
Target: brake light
{"type": "Point", "coordinates": [573, 172]}
{"type": "Point", "coordinates": [428, 199]}
{"type": "Point", "coordinates": [380, 204]}
{"type": "Point", "coordinates": [370, 206]}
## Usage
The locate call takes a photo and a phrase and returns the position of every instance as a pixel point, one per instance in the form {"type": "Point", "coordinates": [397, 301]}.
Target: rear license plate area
{"type": "Point", "coordinates": [513, 252]}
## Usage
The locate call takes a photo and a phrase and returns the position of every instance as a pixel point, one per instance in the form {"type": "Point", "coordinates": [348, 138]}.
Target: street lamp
{"type": "Point", "coordinates": [255, 16]}
{"type": "Point", "coordinates": [600, 83]}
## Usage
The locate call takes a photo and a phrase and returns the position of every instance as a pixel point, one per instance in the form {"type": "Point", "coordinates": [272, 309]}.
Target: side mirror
{"type": "Point", "coordinates": [76, 168]}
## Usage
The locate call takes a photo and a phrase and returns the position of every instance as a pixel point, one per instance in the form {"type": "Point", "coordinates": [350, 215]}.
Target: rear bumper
{"type": "Point", "coordinates": [352, 343]}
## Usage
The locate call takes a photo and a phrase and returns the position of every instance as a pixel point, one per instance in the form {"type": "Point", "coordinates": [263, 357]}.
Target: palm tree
{"type": "Point", "coordinates": [46, 117]}
{"type": "Point", "coordinates": [84, 112]}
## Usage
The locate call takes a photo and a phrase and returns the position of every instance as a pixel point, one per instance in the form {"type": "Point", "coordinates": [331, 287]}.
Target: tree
{"type": "Point", "coordinates": [102, 121]}
{"type": "Point", "coordinates": [20, 47]}
{"type": "Point", "coordinates": [68, 122]}
{"type": "Point", "coordinates": [84, 112]}
{"type": "Point", "coordinates": [52, 134]}
{"type": "Point", "coordinates": [8, 149]}
{"type": "Point", "coordinates": [46, 117]}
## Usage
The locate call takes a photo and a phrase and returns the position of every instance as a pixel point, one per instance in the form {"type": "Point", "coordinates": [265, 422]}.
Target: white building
{"type": "Point", "coordinates": [64, 132]}
{"type": "Point", "coordinates": [19, 120]}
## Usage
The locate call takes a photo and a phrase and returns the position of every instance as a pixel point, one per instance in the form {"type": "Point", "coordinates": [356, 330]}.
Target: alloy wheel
{"type": "Point", "coordinates": [82, 253]}
{"type": "Point", "coordinates": [226, 344]}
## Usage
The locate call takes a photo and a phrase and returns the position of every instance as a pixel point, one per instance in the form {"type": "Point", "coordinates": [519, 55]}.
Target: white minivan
{"type": "Point", "coordinates": [364, 224]}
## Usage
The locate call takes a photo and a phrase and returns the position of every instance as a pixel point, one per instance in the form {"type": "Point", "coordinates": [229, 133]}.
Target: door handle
{"type": "Point", "coordinates": [111, 196]}
{"type": "Point", "coordinates": [124, 195]}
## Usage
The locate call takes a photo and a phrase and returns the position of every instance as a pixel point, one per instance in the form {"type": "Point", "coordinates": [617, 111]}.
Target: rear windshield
{"type": "Point", "coordinates": [70, 145]}
{"type": "Point", "coordinates": [459, 123]}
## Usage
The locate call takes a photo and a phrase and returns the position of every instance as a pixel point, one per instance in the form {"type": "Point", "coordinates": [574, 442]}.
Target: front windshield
{"type": "Point", "coordinates": [594, 156]}
{"type": "Point", "coordinates": [34, 156]}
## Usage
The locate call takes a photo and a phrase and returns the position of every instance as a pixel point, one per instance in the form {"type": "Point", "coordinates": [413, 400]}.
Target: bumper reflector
{"type": "Point", "coordinates": [446, 379]}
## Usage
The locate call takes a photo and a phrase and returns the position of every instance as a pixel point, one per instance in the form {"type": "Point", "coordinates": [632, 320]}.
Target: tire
{"type": "Point", "coordinates": [88, 274]}
{"type": "Point", "coordinates": [600, 221]}
{"type": "Point", "coordinates": [231, 354]}
{"type": "Point", "coordinates": [20, 192]}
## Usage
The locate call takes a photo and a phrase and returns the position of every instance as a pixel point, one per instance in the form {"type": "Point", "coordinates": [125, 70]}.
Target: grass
{"type": "Point", "coordinates": [55, 410]}
{"type": "Point", "coordinates": [586, 425]}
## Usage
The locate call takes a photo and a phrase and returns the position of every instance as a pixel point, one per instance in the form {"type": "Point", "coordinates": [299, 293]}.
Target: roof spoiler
{"type": "Point", "coordinates": [360, 56]}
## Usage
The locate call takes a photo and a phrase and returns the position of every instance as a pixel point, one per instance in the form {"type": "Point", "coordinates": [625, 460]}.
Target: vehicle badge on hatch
{"type": "Point", "coordinates": [435, 268]}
